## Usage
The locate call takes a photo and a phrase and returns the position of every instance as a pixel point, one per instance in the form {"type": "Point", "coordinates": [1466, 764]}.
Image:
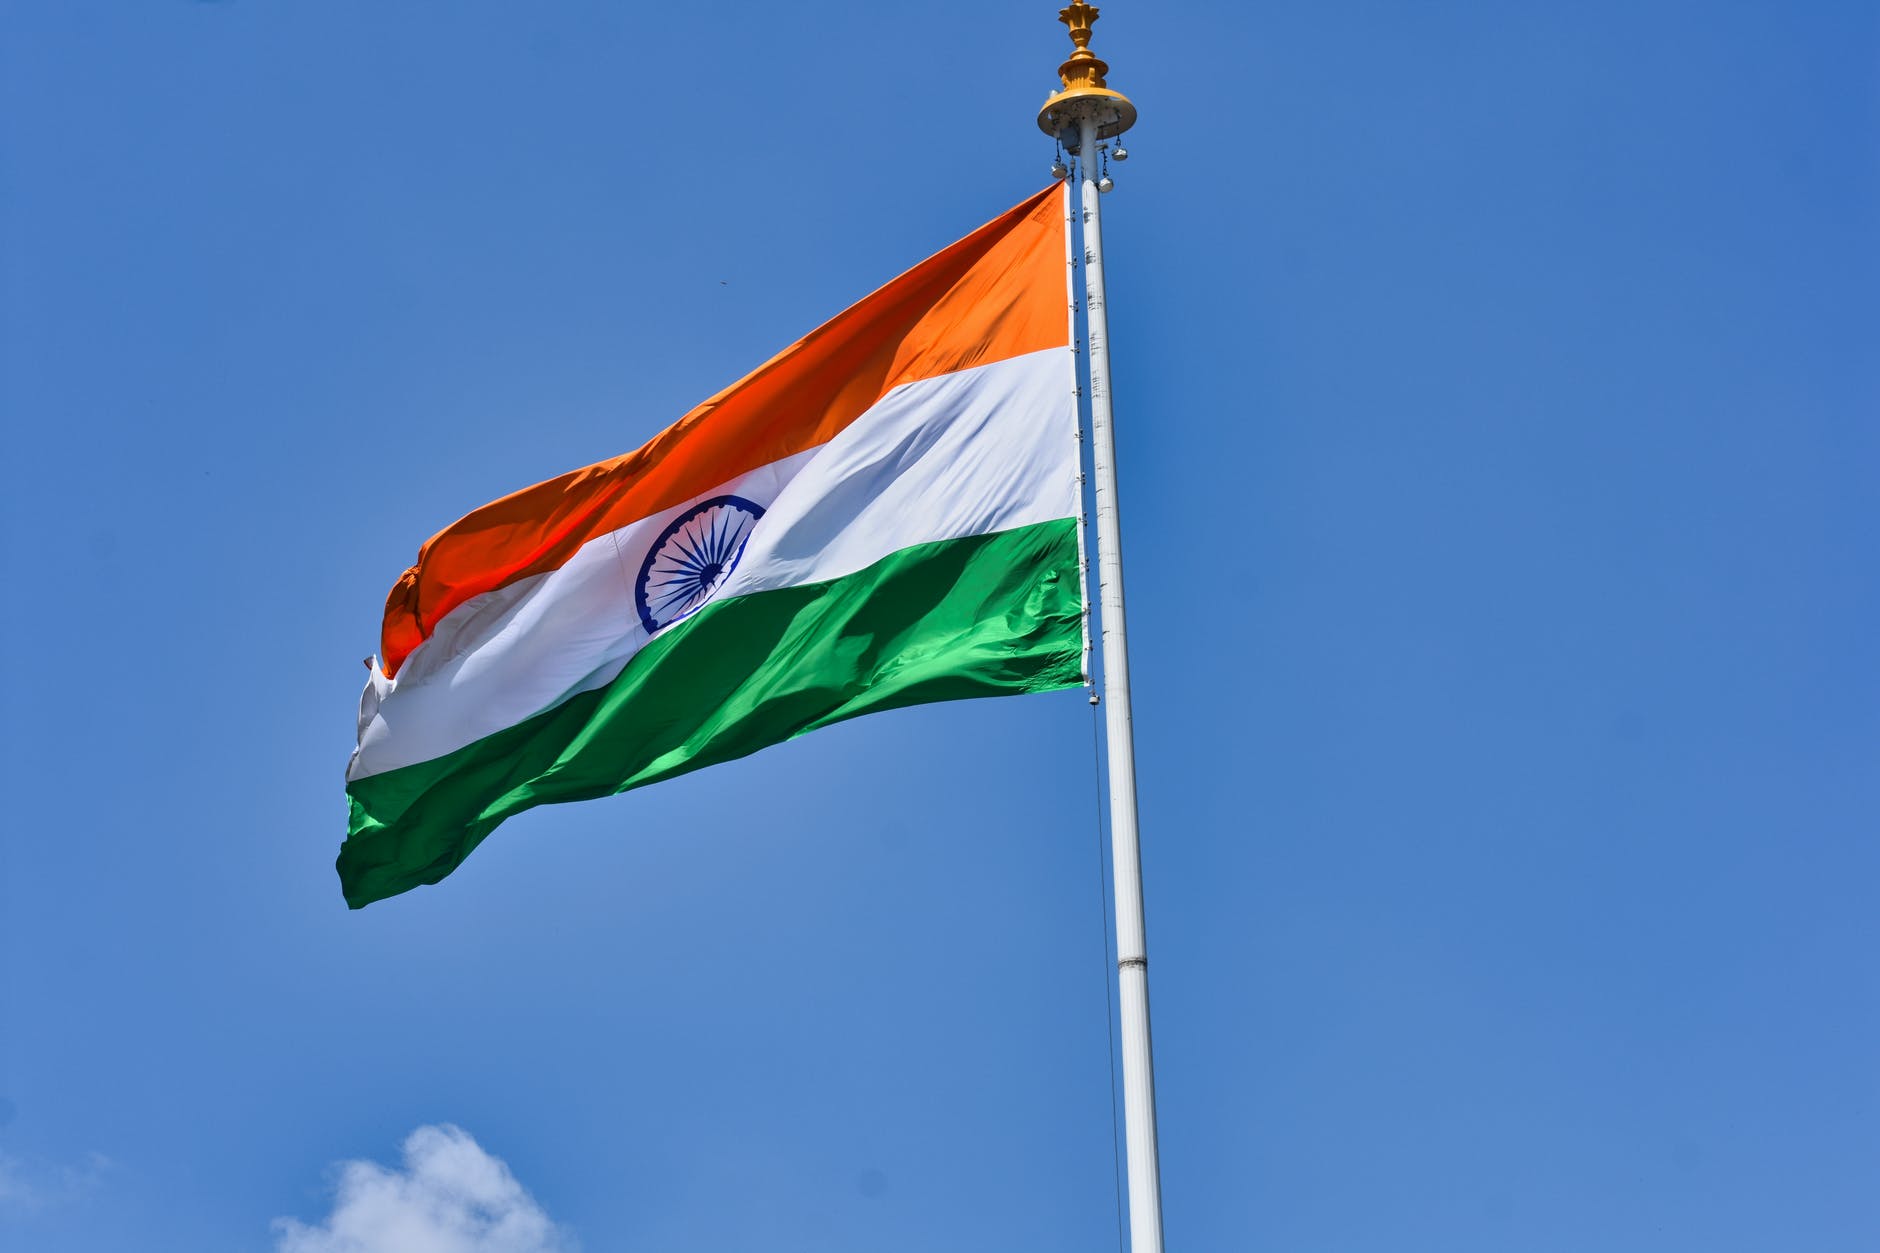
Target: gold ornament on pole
{"type": "Point", "coordinates": [1085, 93]}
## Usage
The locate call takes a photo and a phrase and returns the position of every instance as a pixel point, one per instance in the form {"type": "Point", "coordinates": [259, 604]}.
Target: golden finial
{"type": "Point", "coordinates": [1085, 93]}
{"type": "Point", "coordinates": [1083, 69]}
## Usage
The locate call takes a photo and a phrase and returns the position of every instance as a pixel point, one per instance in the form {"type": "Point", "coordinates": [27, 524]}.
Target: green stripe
{"type": "Point", "coordinates": [993, 615]}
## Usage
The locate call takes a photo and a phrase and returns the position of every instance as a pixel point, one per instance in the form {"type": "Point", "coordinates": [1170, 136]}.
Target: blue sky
{"type": "Point", "coordinates": [1497, 396]}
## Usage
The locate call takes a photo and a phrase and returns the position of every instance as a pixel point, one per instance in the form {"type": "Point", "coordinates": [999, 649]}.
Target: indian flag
{"type": "Point", "coordinates": [883, 514]}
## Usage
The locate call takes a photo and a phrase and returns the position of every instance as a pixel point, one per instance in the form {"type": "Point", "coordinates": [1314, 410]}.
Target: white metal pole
{"type": "Point", "coordinates": [1132, 953]}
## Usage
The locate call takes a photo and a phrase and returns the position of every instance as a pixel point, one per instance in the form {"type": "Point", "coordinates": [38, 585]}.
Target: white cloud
{"type": "Point", "coordinates": [28, 1185]}
{"type": "Point", "coordinates": [450, 1197]}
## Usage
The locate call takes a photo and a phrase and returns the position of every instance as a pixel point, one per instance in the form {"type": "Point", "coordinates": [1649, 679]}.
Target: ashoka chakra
{"type": "Point", "coordinates": [694, 555]}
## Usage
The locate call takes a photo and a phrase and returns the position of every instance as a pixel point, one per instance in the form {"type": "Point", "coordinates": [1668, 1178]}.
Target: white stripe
{"type": "Point", "coordinates": [527, 646]}
{"type": "Point", "coordinates": [981, 450]}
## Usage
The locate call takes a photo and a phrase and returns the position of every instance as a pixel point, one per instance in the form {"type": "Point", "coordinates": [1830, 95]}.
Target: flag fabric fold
{"type": "Point", "coordinates": [884, 514]}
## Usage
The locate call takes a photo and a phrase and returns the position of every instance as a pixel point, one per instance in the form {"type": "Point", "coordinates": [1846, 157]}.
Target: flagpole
{"type": "Point", "coordinates": [1088, 111]}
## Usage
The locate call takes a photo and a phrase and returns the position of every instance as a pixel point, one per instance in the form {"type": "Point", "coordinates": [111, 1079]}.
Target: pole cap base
{"type": "Point", "coordinates": [1063, 111]}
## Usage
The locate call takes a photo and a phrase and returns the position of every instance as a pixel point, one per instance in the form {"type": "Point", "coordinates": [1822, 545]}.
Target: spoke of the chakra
{"type": "Point", "coordinates": [679, 542]}
{"type": "Point", "coordinates": [675, 597]}
{"type": "Point", "coordinates": [677, 592]}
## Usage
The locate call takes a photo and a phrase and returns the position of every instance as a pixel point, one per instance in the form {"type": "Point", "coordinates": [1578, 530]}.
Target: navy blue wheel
{"type": "Point", "coordinates": [692, 557]}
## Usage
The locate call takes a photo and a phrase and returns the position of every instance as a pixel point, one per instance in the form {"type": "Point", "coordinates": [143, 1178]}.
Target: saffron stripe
{"type": "Point", "coordinates": [989, 297]}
